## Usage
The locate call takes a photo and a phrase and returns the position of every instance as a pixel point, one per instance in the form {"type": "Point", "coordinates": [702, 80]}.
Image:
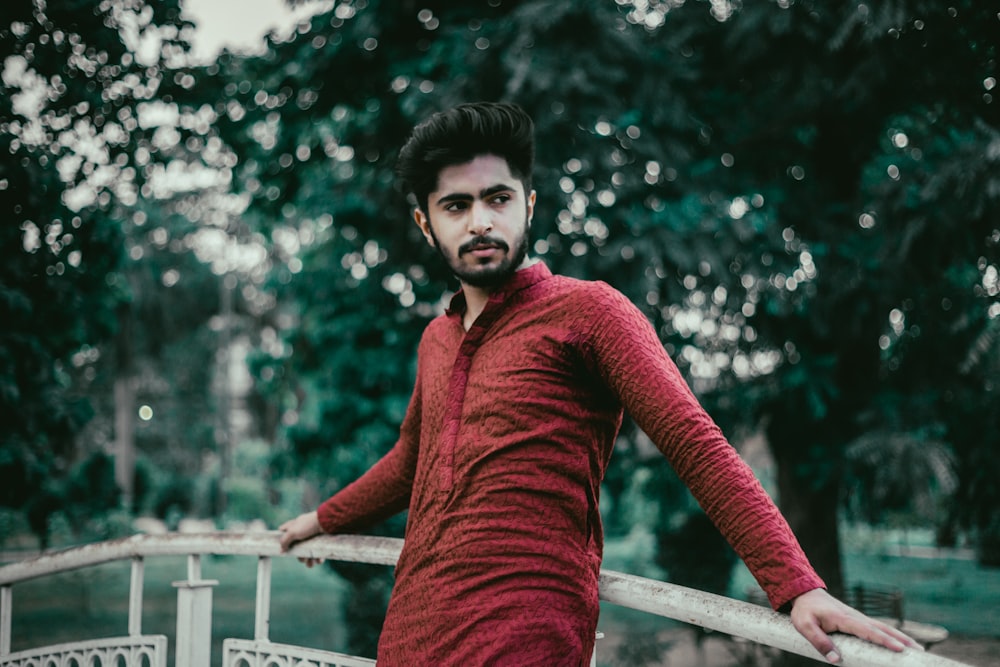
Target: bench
{"type": "Point", "coordinates": [887, 606]}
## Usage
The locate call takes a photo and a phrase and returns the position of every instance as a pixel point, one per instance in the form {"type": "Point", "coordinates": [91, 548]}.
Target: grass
{"type": "Point", "coordinates": [955, 593]}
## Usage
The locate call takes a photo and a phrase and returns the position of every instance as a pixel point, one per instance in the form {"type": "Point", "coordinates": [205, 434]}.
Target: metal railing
{"type": "Point", "coordinates": [194, 607]}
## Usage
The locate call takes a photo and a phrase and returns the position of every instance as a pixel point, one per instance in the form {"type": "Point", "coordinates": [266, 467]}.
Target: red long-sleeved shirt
{"type": "Point", "coordinates": [500, 459]}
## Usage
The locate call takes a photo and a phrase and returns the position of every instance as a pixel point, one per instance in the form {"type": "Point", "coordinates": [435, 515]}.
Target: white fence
{"type": "Point", "coordinates": [194, 607]}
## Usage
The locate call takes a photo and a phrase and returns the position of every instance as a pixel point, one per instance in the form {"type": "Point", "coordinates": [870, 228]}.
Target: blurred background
{"type": "Point", "coordinates": [211, 290]}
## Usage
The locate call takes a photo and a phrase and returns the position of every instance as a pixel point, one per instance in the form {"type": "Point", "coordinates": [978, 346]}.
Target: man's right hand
{"type": "Point", "coordinates": [298, 529]}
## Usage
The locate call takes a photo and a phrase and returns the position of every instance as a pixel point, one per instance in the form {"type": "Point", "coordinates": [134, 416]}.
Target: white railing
{"type": "Point", "coordinates": [194, 611]}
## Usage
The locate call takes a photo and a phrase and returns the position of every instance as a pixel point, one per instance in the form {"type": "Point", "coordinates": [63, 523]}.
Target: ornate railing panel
{"type": "Point", "coordinates": [194, 596]}
{"type": "Point", "coordinates": [253, 653]}
{"type": "Point", "coordinates": [149, 651]}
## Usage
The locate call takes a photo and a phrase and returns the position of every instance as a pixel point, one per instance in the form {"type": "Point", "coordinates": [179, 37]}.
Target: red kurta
{"type": "Point", "coordinates": [500, 460]}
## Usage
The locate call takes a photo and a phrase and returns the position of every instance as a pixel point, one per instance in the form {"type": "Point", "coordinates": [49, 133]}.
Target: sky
{"type": "Point", "coordinates": [241, 25]}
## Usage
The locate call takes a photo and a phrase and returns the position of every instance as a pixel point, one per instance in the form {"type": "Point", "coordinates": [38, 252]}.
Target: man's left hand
{"type": "Point", "coordinates": [817, 613]}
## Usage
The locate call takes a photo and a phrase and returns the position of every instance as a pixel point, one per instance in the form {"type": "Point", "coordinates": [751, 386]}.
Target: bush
{"type": "Point", "coordinates": [988, 545]}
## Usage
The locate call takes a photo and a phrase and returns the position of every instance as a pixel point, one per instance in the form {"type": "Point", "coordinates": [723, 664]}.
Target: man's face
{"type": "Point", "coordinates": [478, 220]}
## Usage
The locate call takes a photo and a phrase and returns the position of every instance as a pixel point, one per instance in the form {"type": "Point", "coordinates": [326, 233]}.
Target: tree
{"type": "Point", "coordinates": [799, 195]}
{"type": "Point", "coordinates": [876, 170]}
{"type": "Point", "coordinates": [86, 162]}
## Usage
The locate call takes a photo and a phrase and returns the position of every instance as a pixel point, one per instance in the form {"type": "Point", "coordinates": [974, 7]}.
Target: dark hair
{"type": "Point", "coordinates": [461, 134]}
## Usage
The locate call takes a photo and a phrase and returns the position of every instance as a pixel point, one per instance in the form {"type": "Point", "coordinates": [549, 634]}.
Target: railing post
{"type": "Point", "coordinates": [194, 618]}
{"type": "Point", "coordinates": [6, 616]}
{"type": "Point", "coordinates": [593, 656]}
{"type": "Point", "coordinates": [135, 598]}
{"type": "Point", "coordinates": [262, 618]}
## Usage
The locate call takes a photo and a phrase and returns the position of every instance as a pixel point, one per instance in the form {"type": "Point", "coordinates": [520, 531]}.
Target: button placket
{"type": "Point", "coordinates": [455, 402]}
{"type": "Point", "coordinates": [458, 384]}
{"type": "Point", "coordinates": [459, 380]}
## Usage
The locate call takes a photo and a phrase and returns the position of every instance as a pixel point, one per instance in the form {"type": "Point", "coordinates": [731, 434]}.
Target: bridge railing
{"type": "Point", "coordinates": [194, 607]}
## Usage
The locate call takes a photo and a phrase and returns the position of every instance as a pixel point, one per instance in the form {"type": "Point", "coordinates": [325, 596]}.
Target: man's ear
{"type": "Point", "coordinates": [531, 207]}
{"type": "Point", "coordinates": [424, 223]}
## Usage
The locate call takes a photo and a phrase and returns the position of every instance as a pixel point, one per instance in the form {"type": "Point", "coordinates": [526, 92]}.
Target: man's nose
{"type": "Point", "coordinates": [481, 219]}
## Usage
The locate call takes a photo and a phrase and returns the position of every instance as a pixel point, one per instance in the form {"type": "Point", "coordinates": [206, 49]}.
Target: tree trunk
{"type": "Point", "coordinates": [124, 396]}
{"type": "Point", "coordinates": [811, 510]}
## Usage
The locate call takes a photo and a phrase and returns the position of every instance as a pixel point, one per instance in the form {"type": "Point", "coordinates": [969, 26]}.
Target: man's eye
{"type": "Point", "coordinates": [456, 206]}
{"type": "Point", "coordinates": [501, 199]}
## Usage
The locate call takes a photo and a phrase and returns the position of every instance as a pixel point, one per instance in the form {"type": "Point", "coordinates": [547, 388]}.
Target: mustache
{"type": "Point", "coordinates": [482, 242]}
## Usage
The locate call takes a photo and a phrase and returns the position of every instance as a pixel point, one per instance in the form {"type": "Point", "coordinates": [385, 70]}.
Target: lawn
{"type": "Point", "coordinates": [953, 592]}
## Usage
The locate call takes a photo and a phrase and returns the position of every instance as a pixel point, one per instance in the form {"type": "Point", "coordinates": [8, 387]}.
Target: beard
{"type": "Point", "coordinates": [486, 276]}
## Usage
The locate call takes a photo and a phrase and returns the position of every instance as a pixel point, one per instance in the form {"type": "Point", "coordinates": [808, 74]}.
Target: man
{"type": "Point", "coordinates": [519, 396]}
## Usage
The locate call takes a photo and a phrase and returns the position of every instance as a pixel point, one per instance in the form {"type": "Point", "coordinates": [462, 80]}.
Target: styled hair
{"type": "Point", "coordinates": [461, 134]}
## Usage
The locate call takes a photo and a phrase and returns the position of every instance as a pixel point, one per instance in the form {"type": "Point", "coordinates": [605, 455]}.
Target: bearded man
{"type": "Point", "coordinates": [520, 391]}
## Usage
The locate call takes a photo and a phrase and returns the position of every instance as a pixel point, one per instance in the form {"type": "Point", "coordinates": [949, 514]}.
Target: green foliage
{"type": "Point", "coordinates": [801, 196]}
{"type": "Point", "coordinates": [694, 554]}
{"type": "Point", "coordinates": [72, 85]}
{"type": "Point", "coordinates": [641, 648]}
{"type": "Point", "coordinates": [775, 212]}
{"type": "Point", "coordinates": [83, 506]}
{"type": "Point", "coordinates": [908, 477]}
{"type": "Point", "coordinates": [250, 494]}
{"type": "Point", "coordinates": [365, 604]}
{"type": "Point", "coordinates": [876, 165]}
{"type": "Point", "coordinates": [13, 526]}
{"type": "Point", "coordinates": [91, 489]}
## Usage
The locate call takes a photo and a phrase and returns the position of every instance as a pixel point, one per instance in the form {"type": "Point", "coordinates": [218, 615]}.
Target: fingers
{"type": "Point", "coordinates": [300, 528]}
{"type": "Point", "coordinates": [903, 638]}
{"type": "Point", "coordinates": [821, 641]}
{"type": "Point", "coordinates": [289, 535]}
{"type": "Point", "coordinates": [880, 633]}
{"type": "Point", "coordinates": [286, 540]}
{"type": "Point", "coordinates": [815, 629]}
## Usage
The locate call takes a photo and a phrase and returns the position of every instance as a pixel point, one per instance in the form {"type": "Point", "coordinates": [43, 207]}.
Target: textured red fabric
{"type": "Point", "coordinates": [500, 460]}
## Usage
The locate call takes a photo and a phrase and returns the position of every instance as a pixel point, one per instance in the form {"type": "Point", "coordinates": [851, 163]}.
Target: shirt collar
{"type": "Point", "coordinates": [521, 279]}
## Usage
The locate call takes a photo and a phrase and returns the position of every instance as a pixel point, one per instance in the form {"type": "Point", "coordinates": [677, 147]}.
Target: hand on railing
{"type": "Point", "coordinates": [298, 529]}
{"type": "Point", "coordinates": [816, 612]}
